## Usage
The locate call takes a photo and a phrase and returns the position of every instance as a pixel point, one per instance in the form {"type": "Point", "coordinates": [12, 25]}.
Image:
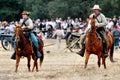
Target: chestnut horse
{"type": "Point", "coordinates": [94, 45]}
{"type": "Point", "coordinates": [24, 48]}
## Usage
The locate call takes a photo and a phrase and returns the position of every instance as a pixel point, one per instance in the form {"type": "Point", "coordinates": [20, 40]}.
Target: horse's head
{"type": "Point", "coordinates": [18, 32]}
{"type": "Point", "coordinates": [91, 23]}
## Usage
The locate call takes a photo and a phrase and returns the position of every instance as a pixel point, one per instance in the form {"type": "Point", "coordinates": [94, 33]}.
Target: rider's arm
{"type": "Point", "coordinates": [103, 21]}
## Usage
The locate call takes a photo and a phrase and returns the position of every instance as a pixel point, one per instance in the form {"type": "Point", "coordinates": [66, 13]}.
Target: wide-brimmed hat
{"type": "Point", "coordinates": [96, 7]}
{"type": "Point", "coordinates": [25, 13]}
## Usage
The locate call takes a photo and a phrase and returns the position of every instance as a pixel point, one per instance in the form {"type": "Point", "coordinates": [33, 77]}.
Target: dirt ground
{"type": "Point", "coordinates": [59, 64]}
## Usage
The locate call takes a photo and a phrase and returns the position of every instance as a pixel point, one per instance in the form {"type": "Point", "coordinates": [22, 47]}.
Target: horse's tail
{"type": "Point", "coordinates": [111, 46]}
{"type": "Point", "coordinates": [112, 50]}
{"type": "Point", "coordinates": [111, 53]}
{"type": "Point", "coordinates": [42, 57]}
{"type": "Point", "coordinates": [41, 45]}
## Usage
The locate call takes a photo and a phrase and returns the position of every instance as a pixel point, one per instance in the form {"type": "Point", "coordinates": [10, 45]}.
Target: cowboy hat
{"type": "Point", "coordinates": [25, 13]}
{"type": "Point", "coordinates": [96, 7]}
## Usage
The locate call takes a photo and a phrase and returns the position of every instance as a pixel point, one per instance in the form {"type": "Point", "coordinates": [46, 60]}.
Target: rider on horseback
{"type": "Point", "coordinates": [101, 22]}
{"type": "Point", "coordinates": [27, 26]}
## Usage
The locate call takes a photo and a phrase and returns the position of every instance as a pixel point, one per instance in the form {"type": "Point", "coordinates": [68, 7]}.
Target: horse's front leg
{"type": "Point", "coordinates": [17, 62]}
{"type": "Point", "coordinates": [103, 62]}
{"type": "Point", "coordinates": [86, 59]}
{"type": "Point", "coordinates": [99, 60]}
{"type": "Point", "coordinates": [28, 65]}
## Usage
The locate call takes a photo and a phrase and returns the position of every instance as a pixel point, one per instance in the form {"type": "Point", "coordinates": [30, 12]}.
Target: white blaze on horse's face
{"type": "Point", "coordinates": [89, 23]}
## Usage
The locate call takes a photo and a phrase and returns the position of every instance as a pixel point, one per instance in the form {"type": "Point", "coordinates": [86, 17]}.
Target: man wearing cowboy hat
{"type": "Point", "coordinates": [27, 26]}
{"type": "Point", "coordinates": [101, 22]}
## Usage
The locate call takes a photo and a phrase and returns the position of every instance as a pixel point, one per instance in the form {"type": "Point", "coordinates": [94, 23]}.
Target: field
{"type": "Point", "coordinates": [59, 64]}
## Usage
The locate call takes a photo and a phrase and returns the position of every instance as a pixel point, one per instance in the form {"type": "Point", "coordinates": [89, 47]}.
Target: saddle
{"type": "Point", "coordinates": [27, 35]}
{"type": "Point", "coordinates": [99, 37]}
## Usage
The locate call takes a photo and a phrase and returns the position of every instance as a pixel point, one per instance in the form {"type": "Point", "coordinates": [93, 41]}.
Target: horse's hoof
{"type": "Point", "coordinates": [15, 71]}
{"type": "Point", "coordinates": [37, 70]}
{"type": "Point", "coordinates": [113, 61]}
{"type": "Point", "coordinates": [84, 67]}
{"type": "Point", "coordinates": [105, 68]}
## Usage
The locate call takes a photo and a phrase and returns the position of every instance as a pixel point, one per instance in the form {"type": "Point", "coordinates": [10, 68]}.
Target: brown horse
{"type": "Point", "coordinates": [24, 48]}
{"type": "Point", "coordinates": [94, 45]}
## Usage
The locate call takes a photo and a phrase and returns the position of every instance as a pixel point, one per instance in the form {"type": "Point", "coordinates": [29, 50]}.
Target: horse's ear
{"type": "Point", "coordinates": [93, 16]}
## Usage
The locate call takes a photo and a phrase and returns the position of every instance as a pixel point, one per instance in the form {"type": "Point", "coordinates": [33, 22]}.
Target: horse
{"type": "Point", "coordinates": [24, 48]}
{"type": "Point", "coordinates": [93, 45]}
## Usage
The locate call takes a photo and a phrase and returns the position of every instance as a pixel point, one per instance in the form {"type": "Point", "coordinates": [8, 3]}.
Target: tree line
{"type": "Point", "coordinates": [45, 9]}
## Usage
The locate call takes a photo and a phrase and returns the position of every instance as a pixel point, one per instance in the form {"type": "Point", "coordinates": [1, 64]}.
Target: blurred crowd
{"type": "Point", "coordinates": [47, 28]}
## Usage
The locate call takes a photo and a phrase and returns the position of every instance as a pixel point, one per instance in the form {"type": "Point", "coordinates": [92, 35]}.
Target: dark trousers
{"type": "Point", "coordinates": [102, 33]}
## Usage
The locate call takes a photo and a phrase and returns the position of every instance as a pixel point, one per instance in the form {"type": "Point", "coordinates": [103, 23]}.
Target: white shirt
{"type": "Point", "coordinates": [59, 33]}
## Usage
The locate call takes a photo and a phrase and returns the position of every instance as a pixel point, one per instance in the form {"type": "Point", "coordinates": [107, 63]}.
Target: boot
{"type": "Point", "coordinates": [105, 50]}
{"type": "Point", "coordinates": [13, 56]}
{"type": "Point", "coordinates": [82, 45]}
{"type": "Point", "coordinates": [82, 51]}
{"type": "Point", "coordinates": [38, 54]}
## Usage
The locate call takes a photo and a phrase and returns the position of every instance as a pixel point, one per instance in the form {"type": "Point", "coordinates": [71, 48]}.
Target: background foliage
{"type": "Point", "coordinates": [11, 9]}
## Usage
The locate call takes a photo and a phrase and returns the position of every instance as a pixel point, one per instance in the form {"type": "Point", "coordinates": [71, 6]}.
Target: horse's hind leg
{"type": "Point", "coordinates": [33, 57]}
{"type": "Point", "coordinates": [33, 67]}
{"type": "Point", "coordinates": [28, 65]}
{"type": "Point", "coordinates": [86, 59]}
{"type": "Point", "coordinates": [35, 63]}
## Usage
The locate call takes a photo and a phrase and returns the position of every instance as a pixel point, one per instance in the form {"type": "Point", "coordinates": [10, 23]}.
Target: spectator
{"type": "Point", "coordinates": [116, 35]}
{"type": "Point", "coordinates": [59, 33]}
{"type": "Point", "coordinates": [11, 27]}
{"type": "Point", "coordinates": [110, 24]}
